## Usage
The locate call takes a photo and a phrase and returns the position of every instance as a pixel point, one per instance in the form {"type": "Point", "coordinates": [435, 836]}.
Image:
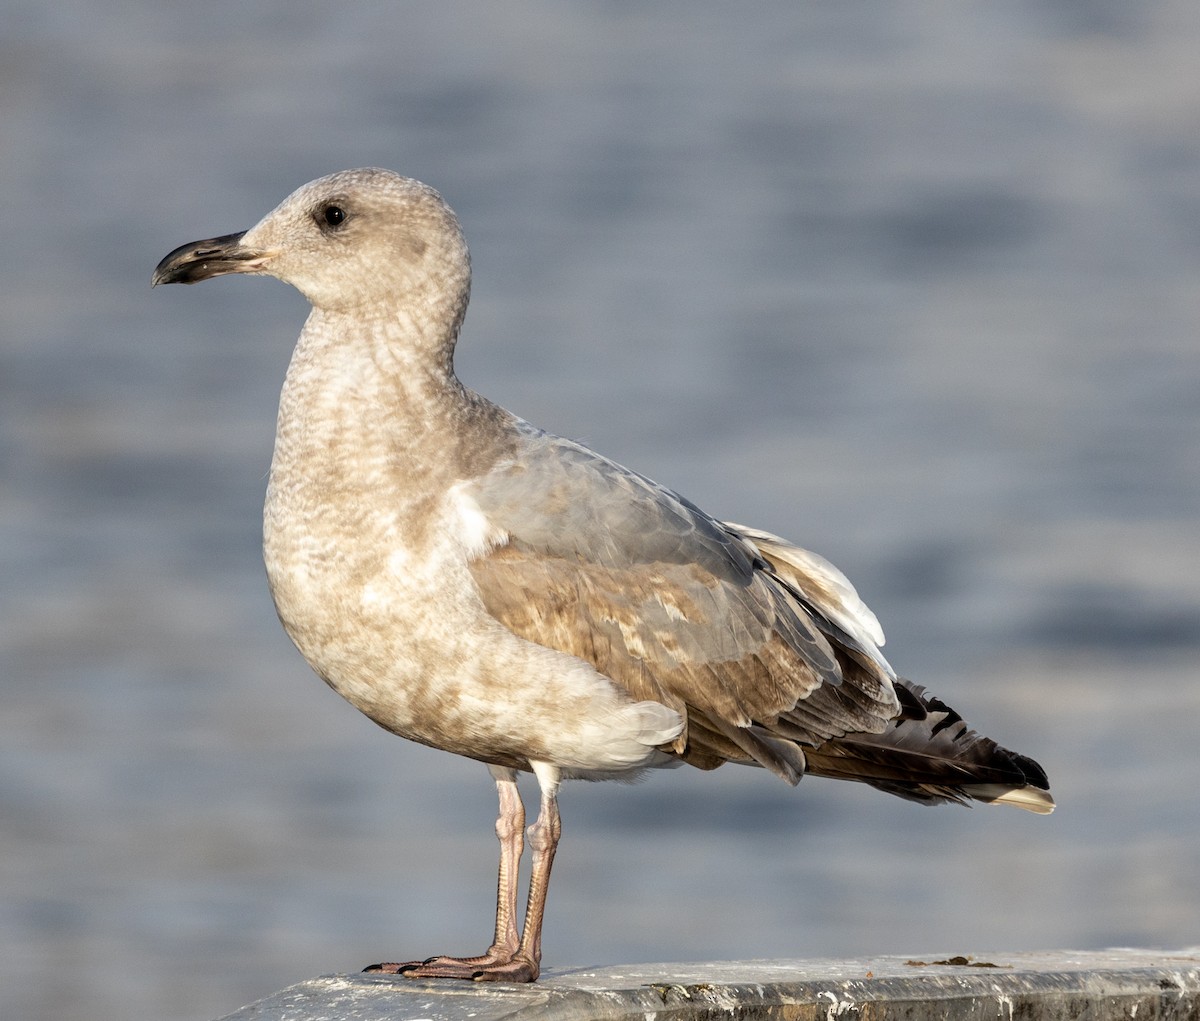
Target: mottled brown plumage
{"type": "Point", "coordinates": [480, 586]}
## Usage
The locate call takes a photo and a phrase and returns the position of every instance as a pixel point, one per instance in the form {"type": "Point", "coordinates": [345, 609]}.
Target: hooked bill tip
{"type": "Point", "coordinates": [200, 260]}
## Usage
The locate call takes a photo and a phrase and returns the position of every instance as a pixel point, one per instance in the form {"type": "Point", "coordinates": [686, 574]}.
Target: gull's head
{"type": "Point", "coordinates": [353, 240]}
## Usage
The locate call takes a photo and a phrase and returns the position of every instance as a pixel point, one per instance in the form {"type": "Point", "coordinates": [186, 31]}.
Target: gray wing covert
{"type": "Point", "coordinates": [606, 565]}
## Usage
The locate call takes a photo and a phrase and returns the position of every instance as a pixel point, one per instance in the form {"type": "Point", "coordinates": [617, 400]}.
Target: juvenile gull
{"type": "Point", "coordinates": [475, 584]}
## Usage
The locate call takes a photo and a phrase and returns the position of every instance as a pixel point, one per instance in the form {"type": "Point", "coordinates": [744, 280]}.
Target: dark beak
{"type": "Point", "coordinates": [199, 260]}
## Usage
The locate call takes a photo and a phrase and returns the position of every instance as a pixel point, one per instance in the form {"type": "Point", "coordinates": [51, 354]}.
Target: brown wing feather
{"type": "Point", "coordinates": [675, 606]}
{"type": "Point", "coordinates": [745, 666]}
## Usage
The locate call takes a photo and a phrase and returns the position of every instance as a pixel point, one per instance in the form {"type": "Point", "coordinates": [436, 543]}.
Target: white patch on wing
{"type": "Point", "coordinates": [474, 533]}
{"type": "Point", "coordinates": [854, 614]}
{"type": "Point", "coordinates": [672, 607]}
{"type": "Point", "coordinates": [826, 585]}
{"type": "Point", "coordinates": [633, 640]}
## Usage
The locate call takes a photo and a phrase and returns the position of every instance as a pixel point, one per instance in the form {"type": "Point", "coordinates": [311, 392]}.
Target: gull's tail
{"type": "Point", "coordinates": [929, 754]}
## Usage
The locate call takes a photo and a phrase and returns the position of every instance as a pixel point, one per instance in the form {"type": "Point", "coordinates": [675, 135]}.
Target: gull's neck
{"type": "Point", "coordinates": [396, 361]}
{"type": "Point", "coordinates": [363, 390]}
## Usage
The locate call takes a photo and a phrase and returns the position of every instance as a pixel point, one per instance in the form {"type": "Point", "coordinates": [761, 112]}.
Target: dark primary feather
{"type": "Point", "coordinates": [929, 754]}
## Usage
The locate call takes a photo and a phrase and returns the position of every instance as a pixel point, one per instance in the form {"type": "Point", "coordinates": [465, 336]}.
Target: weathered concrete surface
{"type": "Point", "coordinates": [1091, 986]}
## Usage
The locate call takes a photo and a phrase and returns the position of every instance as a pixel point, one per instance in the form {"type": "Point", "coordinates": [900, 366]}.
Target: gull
{"type": "Point", "coordinates": [475, 584]}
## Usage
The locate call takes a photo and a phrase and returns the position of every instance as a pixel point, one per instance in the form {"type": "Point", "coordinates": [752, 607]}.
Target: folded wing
{"type": "Point", "coordinates": [763, 653]}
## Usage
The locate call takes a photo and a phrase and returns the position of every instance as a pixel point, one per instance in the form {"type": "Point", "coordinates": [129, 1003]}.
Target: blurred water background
{"type": "Point", "coordinates": [914, 284]}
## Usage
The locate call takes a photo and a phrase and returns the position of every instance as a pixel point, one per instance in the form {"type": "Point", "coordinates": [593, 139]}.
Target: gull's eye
{"type": "Point", "coordinates": [333, 216]}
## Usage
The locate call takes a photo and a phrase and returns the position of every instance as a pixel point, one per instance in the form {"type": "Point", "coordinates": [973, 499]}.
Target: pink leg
{"type": "Point", "coordinates": [525, 965]}
{"type": "Point", "coordinates": [510, 829]}
{"type": "Point", "coordinates": [509, 958]}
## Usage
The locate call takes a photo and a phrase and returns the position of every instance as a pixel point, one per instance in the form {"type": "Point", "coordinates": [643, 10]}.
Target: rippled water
{"type": "Point", "coordinates": [915, 285]}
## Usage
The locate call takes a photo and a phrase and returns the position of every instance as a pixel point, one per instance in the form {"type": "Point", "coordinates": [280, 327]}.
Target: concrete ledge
{"type": "Point", "coordinates": [1093, 986]}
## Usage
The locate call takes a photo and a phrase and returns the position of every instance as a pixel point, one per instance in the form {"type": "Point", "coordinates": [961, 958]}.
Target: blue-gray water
{"type": "Point", "coordinates": [917, 285]}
